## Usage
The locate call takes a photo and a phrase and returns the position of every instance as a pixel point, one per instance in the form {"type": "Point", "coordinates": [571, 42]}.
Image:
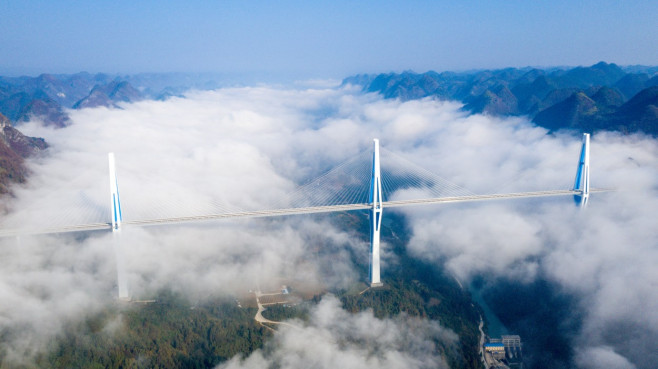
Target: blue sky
{"type": "Point", "coordinates": [320, 39]}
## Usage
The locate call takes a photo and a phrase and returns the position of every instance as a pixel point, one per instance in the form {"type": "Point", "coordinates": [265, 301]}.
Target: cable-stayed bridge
{"type": "Point", "coordinates": [369, 181]}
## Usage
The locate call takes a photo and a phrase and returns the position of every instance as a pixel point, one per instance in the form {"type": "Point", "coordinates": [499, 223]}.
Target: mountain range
{"type": "Point", "coordinates": [585, 99]}
{"type": "Point", "coordinates": [48, 96]}
{"type": "Point", "coordinates": [582, 99]}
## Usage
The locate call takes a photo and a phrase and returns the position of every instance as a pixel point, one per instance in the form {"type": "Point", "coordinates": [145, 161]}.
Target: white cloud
{"type": "Point", "coordinates": [602, 357]}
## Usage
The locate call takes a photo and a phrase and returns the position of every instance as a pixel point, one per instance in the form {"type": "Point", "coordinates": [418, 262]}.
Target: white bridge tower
{"type": "Point", "coordinates": [115, 203]}
{"type": "Point", "coordinates": [582, 174]}
{"type": "Point", "coordinates": [117, 218]}
{"type": "Point", "coordinates": [375, 199]}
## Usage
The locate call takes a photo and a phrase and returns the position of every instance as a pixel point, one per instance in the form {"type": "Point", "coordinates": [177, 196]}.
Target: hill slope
{"type": "Point", "coordinates": [14, 148]}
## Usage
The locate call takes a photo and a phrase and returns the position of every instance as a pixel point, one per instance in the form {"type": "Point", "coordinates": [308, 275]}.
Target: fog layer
{"type": "Point", "coordinates": [246, 148]}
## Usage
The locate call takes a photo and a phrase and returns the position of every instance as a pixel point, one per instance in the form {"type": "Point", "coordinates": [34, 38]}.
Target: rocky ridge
{"type": "Point", "coordinates": [14, 148]}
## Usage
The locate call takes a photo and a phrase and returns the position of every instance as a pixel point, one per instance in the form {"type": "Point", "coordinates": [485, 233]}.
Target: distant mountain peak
{"type": "Point", "coordinates": [109, 95]}
{"type": "Point", "coordinates": [608, 98]}
{"type": "Point", "coordinates": [47, 110]}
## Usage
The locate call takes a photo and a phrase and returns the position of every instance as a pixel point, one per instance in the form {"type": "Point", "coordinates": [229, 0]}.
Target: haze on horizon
{"type": "Point", "coordinates": [293, 40]}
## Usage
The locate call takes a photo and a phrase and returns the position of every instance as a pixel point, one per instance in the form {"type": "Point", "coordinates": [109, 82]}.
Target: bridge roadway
{"type": "Point", "coordinates": [290, 211]}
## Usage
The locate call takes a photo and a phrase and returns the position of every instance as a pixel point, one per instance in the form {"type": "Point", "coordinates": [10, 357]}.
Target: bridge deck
{"type": "Point", "coordinates": [290, 211]}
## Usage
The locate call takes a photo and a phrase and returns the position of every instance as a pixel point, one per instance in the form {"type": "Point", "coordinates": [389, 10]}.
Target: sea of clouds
{"type": "Point", "coordinates": [246, 148]}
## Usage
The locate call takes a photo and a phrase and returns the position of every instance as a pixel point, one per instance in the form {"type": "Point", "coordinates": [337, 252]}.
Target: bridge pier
{"type": "Point", "coordinates": [375, 199]}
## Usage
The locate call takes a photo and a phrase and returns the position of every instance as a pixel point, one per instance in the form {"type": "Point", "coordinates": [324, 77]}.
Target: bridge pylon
{"type": "Point", "coordinates": [117, 218]}
{"type": "Point", "coordinates": [375, 199]}
{"type": "Point", "coordinates": [582, 174]}
{"type": "Point", "coordinates": [115, 204]}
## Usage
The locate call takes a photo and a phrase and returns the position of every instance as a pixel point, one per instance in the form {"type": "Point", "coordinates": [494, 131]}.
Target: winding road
{"type": "Point", "coordinates": [261, 307]}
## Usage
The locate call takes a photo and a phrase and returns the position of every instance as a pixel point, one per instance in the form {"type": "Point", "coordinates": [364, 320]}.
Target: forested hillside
{"type": "Point", "coordinates": [169, 333]}
{"type": "Point", "coordinates": [173, 332]}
